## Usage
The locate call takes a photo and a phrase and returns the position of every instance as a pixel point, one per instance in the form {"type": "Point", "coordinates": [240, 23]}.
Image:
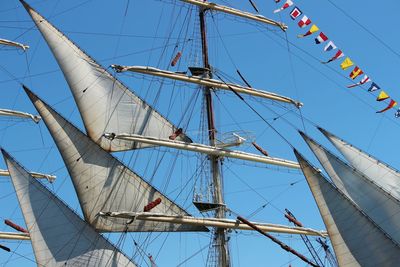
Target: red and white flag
{"type": "Point", "coordinates": [296, 12]}
{"type": "Point", "coordinates": [364, 80]}
{"type": "Point", "coordinates": [321, 38]}
{"type": "Point", "coordinates": [338, 54]}
{"type": "Point", "coordinates": [304, 22]}
{"type": "Point", "coordinates": [287, 4]}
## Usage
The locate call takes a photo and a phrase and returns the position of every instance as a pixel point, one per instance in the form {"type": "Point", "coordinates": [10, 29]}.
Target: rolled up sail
{"type": "Point", "coordinates": [59, 236]}
{"type": "Point", "coordinates": [356, 239]}
{"type": "Point", "coordinates": [382, 174]}
{"type": "Point", "coordinates": [377, 203]}
{"type": "Point", "coordinates": [104, 183]}
{"type": "Point", "coordinates": [105, 104]}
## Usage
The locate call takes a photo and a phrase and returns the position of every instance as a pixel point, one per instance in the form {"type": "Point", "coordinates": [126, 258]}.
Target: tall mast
{"type": "Point", "coordinates": [219, 242]}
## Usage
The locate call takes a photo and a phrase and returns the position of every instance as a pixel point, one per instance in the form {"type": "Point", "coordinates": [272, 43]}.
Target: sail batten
{"type": "Point", "coordinates": [216, 84]}
{"type": "Point", "coordinates": [236, 12]}
{"type": "Point", "coordinates": [205, 149]}
{"type": "Point", "coordinates": [356, 239]}
{"type": "Point", "coordinates": [105, 104]}
{"type": "Point", "coordinates": [374, 200]}
{"type": "Point", "coordinates": [103, 182]}
{"type": "Point", "coordinates": [59, 236]}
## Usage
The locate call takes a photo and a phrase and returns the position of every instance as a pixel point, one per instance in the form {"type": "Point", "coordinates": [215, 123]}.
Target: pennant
{"type": "Point", "coordinates": [287, 4]}
{"type": "Point", "coordinates": [321, 38]}
{"type": "Point", "coordinates": [364, 80]}
{"type": "Point", "coordinates": [382, 96]}
{"type": "Point", "coordinates": [391, 105]}
{"type": "Point", "coordinates": [374, 87]}
{"type": "Point", "coordinates": [397, 114]}
{"type": "Point", "coordinates": [304, 22]}
{"type": "Point", "coordinates": [338, 54]}
{"type": "Point", "coordinates": [296, 12]}
{"type": "Point", "coordinates": [347, 63]}
{"type": "Point", "coordinates": [355, 73]}
{"type": "Point", "coordinates": [313, 29]}
{"type": "Point", "coordinates": [330, 46]}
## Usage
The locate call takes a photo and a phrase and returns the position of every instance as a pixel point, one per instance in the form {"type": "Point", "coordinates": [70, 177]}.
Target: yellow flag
{"type": "Point", "coordinates": [313, 29]}
{"type": "Point", "coordinates": [382, 96]}
{"type": "Point", "coordinates": [347, 63]}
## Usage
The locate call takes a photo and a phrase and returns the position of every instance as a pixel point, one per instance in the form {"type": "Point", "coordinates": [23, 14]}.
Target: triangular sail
{"type": "Point", "coordinates": [105, 104]}
{"type": "Point", "coordinates": [59, 236]}
{"type": "Point", "coordinates": [382, 174]}
{"type": "Point", "coordinates": [357, 241]}
{"type": "Point", "coordinates": [102, 182]}
{"type": "Point", "coordinates": [378, 204]}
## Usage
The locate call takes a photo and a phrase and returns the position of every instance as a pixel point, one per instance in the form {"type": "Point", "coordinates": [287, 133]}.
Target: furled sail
{"type": "Point", "coordinates": [105, 104]}
{"type": "Point", "coordinates": [104, 183]}
{"type": "Point", "coordinates": [378, 204]}
{"type": "Point", "coordinates": [216, 84]}
{"type": "Point", "coordinates": [357, 241]}
{"type": "Point", "coordinates": [235, 12]}
{"type": "Point", "coordinates": [382, 174]}
{"type": "Point", "coordinates": [59, 236]}
{"type": "Point", "coordinates": [12, 43]}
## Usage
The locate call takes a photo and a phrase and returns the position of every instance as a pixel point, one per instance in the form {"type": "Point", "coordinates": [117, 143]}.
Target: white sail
{"type": "Point", "coordinates": [12, 43]}
{"type": "Point", "coordinates": [59, 236]}
{"type": "Point", "coordinates": [381, 173]}
{"type": "Point", "coordinates": [105, 104]}
{"type": "Point", "coordinates": [378, 204]}
{"type": "Point", "coordinates": [104, 183]}
{"type": "Point", "coordinates": [357, 241]}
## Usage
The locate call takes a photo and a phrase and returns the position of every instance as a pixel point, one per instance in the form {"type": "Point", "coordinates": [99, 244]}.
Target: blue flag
{"type": "Point", "coordinates": [373, 87]}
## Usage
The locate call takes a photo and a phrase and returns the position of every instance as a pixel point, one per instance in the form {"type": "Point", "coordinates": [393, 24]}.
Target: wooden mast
{"type": "Point", "coordinates": [220, 239]}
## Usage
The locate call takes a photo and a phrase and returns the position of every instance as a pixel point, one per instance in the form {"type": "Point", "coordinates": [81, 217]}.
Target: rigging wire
{"type": "Point", "coordinates": [387, 46]}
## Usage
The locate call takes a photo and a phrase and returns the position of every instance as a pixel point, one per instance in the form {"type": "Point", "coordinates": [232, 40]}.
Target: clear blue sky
{"type": "Point", "coordinates": [111, 33]}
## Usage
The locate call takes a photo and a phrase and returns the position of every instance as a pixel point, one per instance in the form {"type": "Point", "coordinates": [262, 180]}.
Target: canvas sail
{"type": "Point", "coordinates": [378, 204]}
{"type": "Point", "coordinates": [59, 236]}
{"type": "Point", "coordinates": [381, 173]}
{"type": "Point", "coordinates": [102, 182]}
{"type": "Point", "coordinates": [105, 104]}
{"type": "Point", "coordinates": [357, 241]}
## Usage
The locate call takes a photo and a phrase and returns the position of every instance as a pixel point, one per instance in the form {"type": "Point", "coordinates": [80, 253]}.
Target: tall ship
{"type": "Point", "coordinates": [192, 133]}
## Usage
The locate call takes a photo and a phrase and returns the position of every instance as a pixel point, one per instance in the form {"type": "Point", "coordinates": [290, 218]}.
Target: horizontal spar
{"type": "Point", "coordinates": [12, 43]}
{"type": "Point", "coordinates": [14, 236]}
{"type": "Point", "coordinates": [212, 222]}
{"type": "Point", "coordinates": [200, 148]}
{"type": "Point", "coordinates": [19, 114]}
{"type": "Point", "coordinates": [236, 12]}
{"type": "Point", "coordinates": [37, 175]}
{"type": "Point", "coordinates": [216, 84]}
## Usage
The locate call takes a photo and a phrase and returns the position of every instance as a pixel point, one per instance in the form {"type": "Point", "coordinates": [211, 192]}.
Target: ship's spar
{"type": "Point", "coordinates": [74, 145]}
